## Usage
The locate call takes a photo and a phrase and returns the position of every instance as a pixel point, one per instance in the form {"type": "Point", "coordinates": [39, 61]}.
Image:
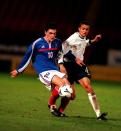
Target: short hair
{"type": "Point", "coordinates": [51, 25]}
{"type": "Point", "coordinates": [85, 22]}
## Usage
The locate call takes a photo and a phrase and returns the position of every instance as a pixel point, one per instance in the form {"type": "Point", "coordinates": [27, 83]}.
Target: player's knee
{"type": "Point", "coordinates": [88, 88]}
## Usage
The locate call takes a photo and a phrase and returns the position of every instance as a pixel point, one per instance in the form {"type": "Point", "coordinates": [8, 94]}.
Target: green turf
{"type": "Point", "coordinates": [23, 107]}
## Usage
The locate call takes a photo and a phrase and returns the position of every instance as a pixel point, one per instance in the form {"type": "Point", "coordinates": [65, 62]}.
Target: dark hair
{"type": "Point", "coordinates": [85, 22]}
{"type": "Point", "coordinates": [51, 25]}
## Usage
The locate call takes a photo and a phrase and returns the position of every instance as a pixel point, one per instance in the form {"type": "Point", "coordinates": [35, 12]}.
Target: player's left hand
{"type": "Point", "coordinates": [97, 38]}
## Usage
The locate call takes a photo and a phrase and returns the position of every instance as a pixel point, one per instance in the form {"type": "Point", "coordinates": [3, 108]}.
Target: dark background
{"type": "Point", "coordinates": [22, 21]}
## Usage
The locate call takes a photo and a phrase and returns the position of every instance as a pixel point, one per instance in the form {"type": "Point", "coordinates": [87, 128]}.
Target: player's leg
{"type": "Point", "coordinates": [63, 105]}
{"type": "Point", "coordinates": [70, 69]}
{"type": "Point", "coordinates": [57, 79]}
{"type": "Point", "coordinates": [54, 96]}
{"type": "Point", "coordinates": [49, 78]}
{"type": "Point", "coordinates": [73, 96]}
{"type": "Point", "coordinates": [85, 82]}
{"type": "Point", "coordinates": [65, 101]}
{"type": "Point", "coordinates": [59, 82]}
{"type": "Point", "coordinates": [56, 83]}
{"type": "Point", "coordinates": [52, 102]}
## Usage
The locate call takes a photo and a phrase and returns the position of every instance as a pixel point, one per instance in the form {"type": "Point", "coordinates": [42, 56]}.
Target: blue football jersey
{"type": "Point", "coordinates": [43, 55]}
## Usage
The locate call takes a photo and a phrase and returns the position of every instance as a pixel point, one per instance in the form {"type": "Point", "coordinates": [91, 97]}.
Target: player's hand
{"type": "Point", "coordinates": [97, 38]}
{"type": "Point", "coordinates": [79, 62]}
{"type": "Point", "coordinates": [14, 73]}
{"type": "Point", "coordinates": [62, 69]}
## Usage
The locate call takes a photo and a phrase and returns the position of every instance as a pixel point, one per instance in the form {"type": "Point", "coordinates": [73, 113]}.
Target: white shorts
{"type": "Point", "coordinates": [46, 77]}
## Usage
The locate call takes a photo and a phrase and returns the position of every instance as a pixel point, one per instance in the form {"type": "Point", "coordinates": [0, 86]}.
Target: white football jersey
{"type": "Point", "coordinates": [76, 44]}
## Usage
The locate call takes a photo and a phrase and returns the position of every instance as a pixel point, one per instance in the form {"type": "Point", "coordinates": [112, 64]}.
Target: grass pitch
{"type": "Point", "coordinates": [23, 107]}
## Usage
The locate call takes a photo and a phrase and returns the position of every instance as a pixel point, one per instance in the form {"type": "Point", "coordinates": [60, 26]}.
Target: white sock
{"type": "Point", "coordinates": [94, 103]}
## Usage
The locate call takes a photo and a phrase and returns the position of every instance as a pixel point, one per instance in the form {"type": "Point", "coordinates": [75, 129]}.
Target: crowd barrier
{"type": "Point", "coordinates": [108, 73]}
{"type": "Point", "coordinates": [98, 72]}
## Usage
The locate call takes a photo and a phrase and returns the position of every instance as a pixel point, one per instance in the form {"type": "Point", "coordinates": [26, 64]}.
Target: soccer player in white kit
{"type": "Point", "coordinates": [73, 61]}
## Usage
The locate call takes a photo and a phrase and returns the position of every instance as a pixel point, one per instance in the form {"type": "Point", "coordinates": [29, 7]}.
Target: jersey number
{"type": "Point", "coordinates": [50, 54]}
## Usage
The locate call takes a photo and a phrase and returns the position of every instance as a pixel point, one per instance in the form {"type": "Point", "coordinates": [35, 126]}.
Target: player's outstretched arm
{"type": "Point", "coordinates": [96, 38]}
{"type": "Point", "coordinates": [13, 73]}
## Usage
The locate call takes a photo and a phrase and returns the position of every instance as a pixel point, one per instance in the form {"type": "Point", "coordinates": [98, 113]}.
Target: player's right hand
{"type": "Point", "coordinates": [13, 73]}
{"type": "Point", "coordinates": [79, 62]}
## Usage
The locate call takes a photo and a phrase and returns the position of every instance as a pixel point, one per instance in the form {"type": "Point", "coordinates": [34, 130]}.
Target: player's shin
{"type": "Point", "coordinates": [94, 103]}
{"type": "Point", "coordinates": [54, 96]}
{"type": "Point", "coordinates": [64, 103]}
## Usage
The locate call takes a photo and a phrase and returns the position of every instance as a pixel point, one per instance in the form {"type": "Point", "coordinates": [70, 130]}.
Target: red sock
{"type": "Point", "coordinates": [53, 97]}
{"type": "Point", "coordinates": [64, 103]}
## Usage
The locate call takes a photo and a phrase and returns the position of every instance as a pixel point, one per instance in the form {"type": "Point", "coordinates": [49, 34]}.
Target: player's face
{"type": "Point", "coordinates": [84, 30]}
{"type": "Point", "coordinates": [50, 34]}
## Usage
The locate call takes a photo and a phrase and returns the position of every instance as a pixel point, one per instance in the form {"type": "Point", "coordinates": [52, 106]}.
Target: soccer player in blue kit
{"type": "Point", "coordinates": [44, 55]}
